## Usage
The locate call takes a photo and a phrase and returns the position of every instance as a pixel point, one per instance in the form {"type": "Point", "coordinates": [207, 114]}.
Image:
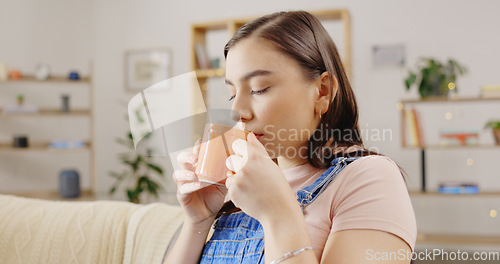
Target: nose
{"type": "Point", "coordinates": [241, 111]}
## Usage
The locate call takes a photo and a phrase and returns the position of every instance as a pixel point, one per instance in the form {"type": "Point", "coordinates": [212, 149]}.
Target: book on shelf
{"type": "Point", "coordinates": [412, 128]}
{"type": "Point", "coordinates": [202, 56]}
{"type": "Point", "coordinates": [67, 144]}
{"type": "Point", "coordinates": [490, 91]}
{"type": "Point", "coordinates": [458, 188]}
{"type": "Point", "coordinates": [459, 137]}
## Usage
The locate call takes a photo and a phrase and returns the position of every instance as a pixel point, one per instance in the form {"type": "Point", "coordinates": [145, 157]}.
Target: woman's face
{"type": "Point", "coordinates": [268, 90]}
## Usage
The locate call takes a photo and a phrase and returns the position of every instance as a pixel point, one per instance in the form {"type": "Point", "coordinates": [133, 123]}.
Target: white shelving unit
{"type": "Point", "coordinates": [55, 115]}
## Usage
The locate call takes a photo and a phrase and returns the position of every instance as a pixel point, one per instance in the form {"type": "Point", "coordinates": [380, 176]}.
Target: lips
{"type": "Point", "coordinates": [258, 136]}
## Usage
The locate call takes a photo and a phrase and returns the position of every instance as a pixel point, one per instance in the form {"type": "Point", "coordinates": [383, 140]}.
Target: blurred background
{"type": "Point", "coordinates": [68, 70]}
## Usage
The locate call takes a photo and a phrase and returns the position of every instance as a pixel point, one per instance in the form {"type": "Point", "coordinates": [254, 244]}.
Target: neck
{"type": "Point", "coordinates": [285, 163]}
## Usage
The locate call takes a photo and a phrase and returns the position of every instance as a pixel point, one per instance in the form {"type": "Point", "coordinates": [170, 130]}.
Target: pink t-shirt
{"type": "Point", "coordinates": [369, 193]}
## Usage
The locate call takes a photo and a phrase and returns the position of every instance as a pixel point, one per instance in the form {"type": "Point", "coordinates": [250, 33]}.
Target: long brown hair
{"type": "Point", "coordinates": [301, 36]}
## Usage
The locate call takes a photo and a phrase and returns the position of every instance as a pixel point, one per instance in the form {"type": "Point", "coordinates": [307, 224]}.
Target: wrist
{"type": "Point", "coordinates": [287, 236]}
{"type": "Point", "coordinates": [289, 212]}
{"type": "Point", "coordinates": [202, 227]}
{"type": "Point", "coordinates": [285, 222]}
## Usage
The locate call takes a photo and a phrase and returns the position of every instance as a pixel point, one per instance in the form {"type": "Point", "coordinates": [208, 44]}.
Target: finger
{"type": "Point", "coordinates": [183, 176]}
{"type": "Point", "coordinates": [197, 146]}
{"type": "Point", "coordinates": [240, 147]}
{"type": "Point", "coordinates": [236, 162]}
{"type": "Point", "coordinates": [255, 144]}
{"type": "Point", "coordinates": [228, 182]}
{"type": "Point", "coordinates": [186, 160]}
{"type": "Point", "coordinates": [190, 187]}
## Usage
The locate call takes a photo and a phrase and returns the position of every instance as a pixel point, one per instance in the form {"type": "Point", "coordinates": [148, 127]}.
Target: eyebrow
{"type": "Point", "coordinates": [251, 75]}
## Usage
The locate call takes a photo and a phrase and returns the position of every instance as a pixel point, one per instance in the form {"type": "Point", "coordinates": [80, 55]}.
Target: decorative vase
{"type": "Point", "coordinates": [74, 76]}
{"type": "Point", "coordinates": [65, 103]}
{"type": "Point", "coordinates": [69, 184]}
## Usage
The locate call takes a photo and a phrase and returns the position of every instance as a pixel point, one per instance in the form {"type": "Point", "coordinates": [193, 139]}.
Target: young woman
{"type": "Point", "coordinates": [304, 187]}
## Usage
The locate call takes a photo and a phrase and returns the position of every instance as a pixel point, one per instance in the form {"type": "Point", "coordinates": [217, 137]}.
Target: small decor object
{"type": "Point", "coordinates": [144, 68]}
{"type": "Point", "coordinates": [495, 126]}
{"type": "Point", "coordinates": [20, 142]}
{"type": "Point", "coordinates": [65, 103]}
{"type": "Point", "coordinates": [434, 78]}
{"type": "Point", "coordinates": [42, 71]}
{"type": "Point", "coordinates": [215, 63]}
{"type": "Point", "coordinates": [74, 76]}
{"type": "Point", "coordinates": [4, 74]}
{"type": "Point", "coordinates": [15, 75]}
{"type": "Point", "coordinates": [20, 99]}
{"type": "Point", "coordinates": [459, 137]}
{"type": "Point", "coordinates": [458, 188]}
{"type": "Point", "coordinates": [69, 184]}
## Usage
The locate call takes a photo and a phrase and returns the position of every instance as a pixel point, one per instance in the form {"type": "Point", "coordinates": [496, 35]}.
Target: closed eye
{"type": "Point", "coordinates": [253, 92]}
{"type": "Point", "coordinates": [261, 91]}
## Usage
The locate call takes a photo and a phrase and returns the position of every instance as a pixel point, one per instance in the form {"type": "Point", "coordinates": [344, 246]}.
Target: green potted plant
{"type": "Point", "coordinates": [434, 78]}
{"type": "Point", "coordinates": [20, 99]}
{"type": "Point", "coordinates": [495, 126]}
{"type": "Point", "coordinates": [140, 170]}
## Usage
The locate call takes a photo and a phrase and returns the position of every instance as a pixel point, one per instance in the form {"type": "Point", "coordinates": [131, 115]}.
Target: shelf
{"type": "Point", "coordinates": [46, 113]}
{"type": "Point", "coordinates": [446, 99]}
{"type": "Point", "coordinates": [85, 195]}
{"type": "Point", "coordinates": [457, 239]}
{"type": "Point", "coordinates": [199, 31]}
{"type": "Point", "coordinates": [455, 147]}
{"type": "Point", "coordinates": [209, 73]}
{"type": "Point", "coordinates": [213, 25]}
{"type": "Point", "coordinates": [40, 147]}
{"type": "Point", "coordinates": [467, 195]}
{"type": "Point", "coordinates": [58, 79]}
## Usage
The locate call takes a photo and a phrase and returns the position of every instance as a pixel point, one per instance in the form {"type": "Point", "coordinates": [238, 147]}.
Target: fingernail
{"type": "Point", "coordinates": [229, 163]}
{"type": "Point", "coordinates": [184, 189]}
{"type": "Point", "coordinates": [192, 157]}
{"type": "Point", "coordinates": [189, 174]}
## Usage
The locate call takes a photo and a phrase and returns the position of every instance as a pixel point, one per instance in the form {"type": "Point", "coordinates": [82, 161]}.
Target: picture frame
{"type": "Point", "coordinates": [146, 67]}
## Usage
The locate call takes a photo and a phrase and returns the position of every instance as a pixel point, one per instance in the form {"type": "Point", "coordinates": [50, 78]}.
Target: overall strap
{"type": "Point", "coordinates": [308, 194]}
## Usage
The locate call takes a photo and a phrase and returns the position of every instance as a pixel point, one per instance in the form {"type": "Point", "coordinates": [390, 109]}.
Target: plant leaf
{"type": "Point", "coordinates": [124, 142]}
{"type": "Point", "coordinates": [153, 188]}
{"type": "Point", "coordinates": [156, 168]}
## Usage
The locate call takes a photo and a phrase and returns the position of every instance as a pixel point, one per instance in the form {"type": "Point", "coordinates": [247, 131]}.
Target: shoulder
{"type": "Point", "coordinates": [375, 162]}
{"type": "Point", "coordinates": [372, 194]}
{"type": "Point", "coordinates": [371, 168]}
{"type": "Point", "coordinates": [371, 174]}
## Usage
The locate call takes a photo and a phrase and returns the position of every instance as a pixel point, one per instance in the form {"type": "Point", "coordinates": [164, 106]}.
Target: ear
{"type": "Point", "coordinates": [325, 89]}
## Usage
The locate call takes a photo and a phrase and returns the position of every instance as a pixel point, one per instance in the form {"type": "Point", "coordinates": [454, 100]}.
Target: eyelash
{"type": "Point", "coordinates": [253, 92]}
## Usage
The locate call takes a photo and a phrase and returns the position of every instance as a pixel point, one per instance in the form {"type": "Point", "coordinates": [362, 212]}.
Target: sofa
{"type": "Point", "coordinates": [108, 232]}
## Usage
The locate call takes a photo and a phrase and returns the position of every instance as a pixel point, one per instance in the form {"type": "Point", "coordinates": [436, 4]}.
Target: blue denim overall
{"type": "Point", "coordinates": [239, 238]}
